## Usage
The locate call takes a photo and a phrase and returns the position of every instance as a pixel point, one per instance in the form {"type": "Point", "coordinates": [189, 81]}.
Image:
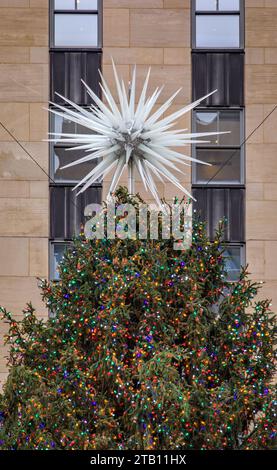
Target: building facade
{"type": "Point", "coordinates": [199, 45]}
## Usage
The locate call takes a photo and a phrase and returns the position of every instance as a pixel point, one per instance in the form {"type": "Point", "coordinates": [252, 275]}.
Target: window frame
{"type": "Point", "coordinates": [240, 13]}
{"type": "Point", "coordinates": [52, 146]}
{"type": "Point", "coordinates": [242, 247]}
{"type": "Point", "coordinates": [98, 12]}
{"type": "Point", "coordinates": [52, 244]}
{"type": "Point", "coordinates": [240, 148]}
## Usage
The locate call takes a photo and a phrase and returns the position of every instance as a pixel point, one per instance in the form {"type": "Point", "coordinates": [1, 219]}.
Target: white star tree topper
{"type": "Point", "coordinates": [130, 135]}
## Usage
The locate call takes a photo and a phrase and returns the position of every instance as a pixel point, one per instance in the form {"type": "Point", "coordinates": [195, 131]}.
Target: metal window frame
{"type": "Point", "coordinates": [240, 13]}
{"type": "Point", "coordinates": [240, 148]}
{"type": "Point", "coordinates": [242, 247]}
{"type": "Point", "coordinates": [99, 13]}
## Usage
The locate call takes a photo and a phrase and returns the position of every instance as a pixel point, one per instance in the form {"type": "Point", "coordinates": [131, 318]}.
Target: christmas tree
{"type": "Point", "coordinates": [147, 348]}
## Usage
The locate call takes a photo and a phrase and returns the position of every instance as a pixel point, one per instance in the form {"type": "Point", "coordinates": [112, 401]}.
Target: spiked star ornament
{"type": "Point", "coordinates": [129, 135]}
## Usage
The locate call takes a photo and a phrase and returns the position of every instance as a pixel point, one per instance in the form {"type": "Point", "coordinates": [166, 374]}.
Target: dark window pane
{"type": "Point", "coordinates": [213, 5]}
{"type": "Point", "coordinates": [221, 71]}
{"type": "Point", "coordinates": [220, 121]}
{"type": "Point", "coordinates": [229, 173]}
{"type": "Point", "coordinates": [76, 30]}
{"type": "Point", "coordinates": [63, 156]}
{"type": "Point", "coordinates": [217, 31]}
{"type": "Point", "coordinates": [64, 4]}
{"type": "Point", "coordinates": [57, 253]}
{"type": "Point", "coordinates": [214, 204]}
{"type": "Point", "coordinates": [233, 262]}
{"type": "Point", "coordinates": [67, 70]}
{"type": "Point", "coordinates": [67, 210]}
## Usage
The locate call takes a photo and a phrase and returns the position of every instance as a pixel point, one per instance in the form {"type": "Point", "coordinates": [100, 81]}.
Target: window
{"type": "Point", "coordinates": [76, 5]}
{"type": "Point", "coordinates": [67, 210]}
{"type": "Point", "coordinates": [60, 155]}
{"type": "Point", "coordinates": [75, 54]}
{"type": "Point", "coordinates": [76, 23]}
{"type": "Point", "coordinates": [217, 5]}
{"type": "Point", "coordinates": [218, 24]}
{"type": "Point", "coordinates": [221, 71]}
{"type": "Point", "coordinates": [67, 69]}
{"type": "Point", "coordinates": [234, 258]}
{"type": "Point", "coordinates": [215, 204]}
{"type": "Point", "coordinates": [57, 251]}
{"type": "Point", "coordinates": [222, 152]}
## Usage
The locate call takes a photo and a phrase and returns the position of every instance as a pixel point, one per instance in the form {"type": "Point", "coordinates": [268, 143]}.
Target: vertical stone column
{"type": "Point", "coordinates": [23, 186]}
{"type": "Point", "coordinates": [261, 149]}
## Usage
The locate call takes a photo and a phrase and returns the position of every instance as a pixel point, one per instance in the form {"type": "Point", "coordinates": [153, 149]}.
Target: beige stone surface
{"type": "Point", "coordinates": [270, 55]}
{"type": "Point", "coordinates": [15, 164]}
{"type": "Point", "coordinates": [271, 260]}
{"type": "Point", "coordinates": [184, 121]}
{"type": "Point", "coordinates": [24, 190]}
{"type": "Point", "coordinates": [270, 191]}
{"type": "Point", "coordinates": [40, 3]}
{"type": "Point", "coordinates": [39, 55]}
{"type": "Point", "coordinates": [160, 28]}
{"type": "Point", "coordinates": [254, 4]}
{"type": "Point", "coordinates": [23, 82]}
{"type": "Point", "coordinates": [177, 56]}
{"type": "Point", "coordinates": [261, 220]}
{"type": "Point", "coordinates": [39, 189]}
{"type": "Point", "coordinates": [270, 125]}
{"type": "Point", "coordinates": [14, 256]}
{"type": "Point", "coordinates": [14, 3]}
{"type": "Point", "coordinates": [260, 27]}
{"type": "Point", "coordinates": [14, 55]}
{"type": "Point", "coordinates": [170, 192]}
{"type": "Point", "coordinates": [261, 84]}
{"type": "Point", "coordinates": [38, 122]}
{"type": "Point", "coordinates": [261, 163]}
{"type": "Point", "coordinates": [15, 117]}
{"type": "Point", "coordinates": [133, 55]}
{"type": "Point", "coordinates": [116, 27]}
{"type": "Point", "coordinates": [123, 72]}
{"type": "Point", "coordinates": [29, 28]}
{"type": "Point", "coordinates": [173, 77]}
{"type": "Point", "coordinates": [38, 257]}
{"type": "Point", "coordinates": [16, 292]}
{"type": "Point", "coordinates": [269, 291]}
{"type": "Point", "coordinates": [24, 217]}
{"type": "Point", "coordinates": [176, 3]}
{"type": "Point", "coordinates": [270, 3]}
{"type": "Point", "coordinates": [255, 56]}
{"type": "Point", "coordinates": [255, 255]}
{"type": "Point", "coordinates": [254, 114]}
{"type": "Point", "coordinates": [133, 4]}
{"type": "Point", "coordinates": [14, 189]}
{"type": "Point", "coordinates": [254, 191]}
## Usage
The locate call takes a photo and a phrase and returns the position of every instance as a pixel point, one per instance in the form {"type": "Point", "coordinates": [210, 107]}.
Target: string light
{"type": "Point", "coordinates": [136, 357]}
